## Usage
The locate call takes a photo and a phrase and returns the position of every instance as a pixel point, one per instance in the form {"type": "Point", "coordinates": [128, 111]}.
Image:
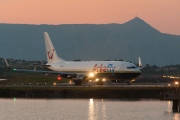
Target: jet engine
{"type": "Point", "coordinates": [79, 79]}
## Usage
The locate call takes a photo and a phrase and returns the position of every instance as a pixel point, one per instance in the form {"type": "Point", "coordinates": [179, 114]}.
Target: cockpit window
{"type": "Point", "coordinates": [131, 67]}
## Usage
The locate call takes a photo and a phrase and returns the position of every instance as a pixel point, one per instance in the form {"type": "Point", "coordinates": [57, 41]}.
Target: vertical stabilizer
{"type": "Point", "coordinates": [50, 50]}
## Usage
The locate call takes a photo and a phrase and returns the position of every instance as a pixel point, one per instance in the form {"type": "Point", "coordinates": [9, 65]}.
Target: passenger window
{"type": "Point", "coordinates": [132, 67]}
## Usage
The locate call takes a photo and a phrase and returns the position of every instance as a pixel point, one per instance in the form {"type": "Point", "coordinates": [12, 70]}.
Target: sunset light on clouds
{"type": "Point", "coordinates": [163, 15]}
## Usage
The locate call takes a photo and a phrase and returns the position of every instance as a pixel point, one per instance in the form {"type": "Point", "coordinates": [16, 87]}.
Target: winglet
{"type": "Point", "coordinates": [7, 64]}
{"type": "Point", "coordinates": [139, 62]}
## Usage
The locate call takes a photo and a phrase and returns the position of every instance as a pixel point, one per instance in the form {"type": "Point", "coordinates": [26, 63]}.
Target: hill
{"type": "Point", "coordinates": [125, 41]}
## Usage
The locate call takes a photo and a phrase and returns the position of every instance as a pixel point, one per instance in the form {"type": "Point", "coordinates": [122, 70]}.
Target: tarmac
{"type": "Point", "coordinates": [123, 85]}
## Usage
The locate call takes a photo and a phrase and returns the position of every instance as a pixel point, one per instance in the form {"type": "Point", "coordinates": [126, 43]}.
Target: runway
{"type": "Point", "coordinates": [66, 90]}
{"type": "Point", "coordinates": [116, 85]}
{"type": "Point", "coordinates": [93, 84]}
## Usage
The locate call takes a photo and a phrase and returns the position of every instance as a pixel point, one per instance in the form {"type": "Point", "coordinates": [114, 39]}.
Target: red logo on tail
{"type": "Point", "coordinates": [50, 55]}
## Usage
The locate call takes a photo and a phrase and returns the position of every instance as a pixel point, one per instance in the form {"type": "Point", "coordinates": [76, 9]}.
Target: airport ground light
{"type": "Point", "coordinates": [177, 87]}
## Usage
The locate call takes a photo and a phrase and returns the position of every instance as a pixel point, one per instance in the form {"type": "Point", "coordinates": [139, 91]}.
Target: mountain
{"type": "Point", "coordinates": [125, 41]}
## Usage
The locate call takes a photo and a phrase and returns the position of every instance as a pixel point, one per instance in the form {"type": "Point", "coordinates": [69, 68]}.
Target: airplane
{"type": "Point", "coordinates": [87, 71]}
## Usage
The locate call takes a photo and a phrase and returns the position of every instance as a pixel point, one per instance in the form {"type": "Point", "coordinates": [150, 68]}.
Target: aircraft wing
{"type": "Point", "coordinates": [48, 72]}
{"type": "Point", "coordinates": [62, 74]}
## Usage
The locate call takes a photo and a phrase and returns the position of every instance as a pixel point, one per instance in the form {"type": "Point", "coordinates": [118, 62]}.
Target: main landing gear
{"type": "Point", "coordinates": [100, 82]}
{"type": "Point", "coordinates": [80, 80]}
{"type": "Point", "coordinates": [77, 82]}
{"type": "Point", "coordinates": [129, 83]}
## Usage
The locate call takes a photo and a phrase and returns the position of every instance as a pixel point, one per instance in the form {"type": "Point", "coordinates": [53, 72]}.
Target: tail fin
{"type": "Point", "coordinates": [50, 50]}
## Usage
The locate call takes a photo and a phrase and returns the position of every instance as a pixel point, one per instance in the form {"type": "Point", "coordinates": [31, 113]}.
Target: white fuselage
{"type": "Point", "coordinates": [98, 67]}
{"type": "Point", "coordinates": [95, 66]}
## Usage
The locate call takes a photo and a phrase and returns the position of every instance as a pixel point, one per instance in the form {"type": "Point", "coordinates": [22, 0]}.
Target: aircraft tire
{"type": "Point", "coordinates": [99, 83]}
{"type": "Point", "coordinates": [77, 82]}
{"type": "Point", "coordinates": [129, 83]}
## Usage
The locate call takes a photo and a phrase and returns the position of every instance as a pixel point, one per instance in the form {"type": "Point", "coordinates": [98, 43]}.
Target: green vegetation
{"type": "Point", "coordinates": [165, 70]}
{"type": "Point", "coordinates": [19, 78]}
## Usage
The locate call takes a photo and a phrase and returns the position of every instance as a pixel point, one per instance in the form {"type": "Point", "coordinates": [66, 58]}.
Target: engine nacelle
{"type": "Point", "coordinates": [79, 79]}
{"type": "Point", "coordinates": [84, 78]}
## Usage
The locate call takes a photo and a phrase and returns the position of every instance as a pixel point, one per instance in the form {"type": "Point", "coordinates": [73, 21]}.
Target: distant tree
{"type": "Point", "coordinates": [120, 60]}
{"type": "Point", "coordinates": [154, 67]}
{"type": "Point", "coordinates": [77, 60]}
{"type": "Point", "coordinates": [147, 66]}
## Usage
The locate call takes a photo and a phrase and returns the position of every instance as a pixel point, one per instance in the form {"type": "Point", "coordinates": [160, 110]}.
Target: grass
{"type": "Point", "coordinates": [30, 78]}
